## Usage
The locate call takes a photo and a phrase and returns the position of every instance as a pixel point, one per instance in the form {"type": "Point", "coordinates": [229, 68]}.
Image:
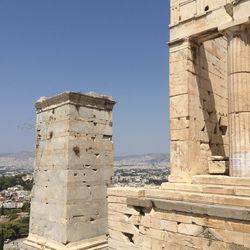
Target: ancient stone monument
{"type": "Point", "coordinates": [206, 203]}
{"type": "Point", "coordinates": [74, 167]}
{"type": "Point", "coordinates": [209, 78]}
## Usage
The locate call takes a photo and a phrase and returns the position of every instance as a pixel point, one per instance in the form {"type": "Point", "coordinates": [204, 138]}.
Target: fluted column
{"type": "Point", "coordinates": [239, 100]}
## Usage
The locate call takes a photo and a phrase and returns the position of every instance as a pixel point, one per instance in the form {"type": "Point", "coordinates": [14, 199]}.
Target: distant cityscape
{"type": "Point", "coordinates": [16, 163]}
{"type": "Point", "coordinates": [133, 170]}
{"type": "Point", "coordinates": [141, 170]}
{"type": "Point", "coordinates": [16, 181]}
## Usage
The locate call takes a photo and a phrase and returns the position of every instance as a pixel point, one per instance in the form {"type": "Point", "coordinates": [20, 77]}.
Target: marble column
{"type": "Point", "coordinates": [239, 99]}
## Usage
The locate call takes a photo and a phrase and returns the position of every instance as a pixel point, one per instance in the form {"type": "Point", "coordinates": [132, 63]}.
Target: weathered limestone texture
{"type": "Point", "coordinates": [174, 217]}
{"type": "Point", "coordinates": [74, 167]}
{"type": "Point", "coordinates": [218, 165]}
{"type": "Point", "coordinates": [198, 106]}
{"type": "Point", "coordinates": [209, 76]}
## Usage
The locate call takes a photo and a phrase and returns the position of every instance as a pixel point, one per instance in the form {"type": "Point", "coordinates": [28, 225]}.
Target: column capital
{"type": "Point", "coordinates": [233, 29]}
{"type": "Point", "coordinates": [181, 44]}
{"type": "Point", "coordinates": [236, 31]}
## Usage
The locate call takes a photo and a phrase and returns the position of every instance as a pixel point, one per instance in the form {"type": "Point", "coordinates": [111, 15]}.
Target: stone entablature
{"type": "Point", "coordinates": [187, 21]}
{"type": "Point", "coordinates": [188, 10]}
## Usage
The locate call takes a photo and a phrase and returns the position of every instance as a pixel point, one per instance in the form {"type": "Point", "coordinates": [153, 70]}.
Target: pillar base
{"type": "Point", "coordinates": [182, 178]}
{"type": "Point", "coordinates": [34, 242]}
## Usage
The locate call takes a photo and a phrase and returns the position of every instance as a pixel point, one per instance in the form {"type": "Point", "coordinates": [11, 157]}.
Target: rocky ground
{"type": "Point", "coordinates": [14, 245]}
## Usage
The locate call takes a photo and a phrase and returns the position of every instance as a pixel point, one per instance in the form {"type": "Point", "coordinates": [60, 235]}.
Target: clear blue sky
{"type": "Point", "coordinates": [112, 47]}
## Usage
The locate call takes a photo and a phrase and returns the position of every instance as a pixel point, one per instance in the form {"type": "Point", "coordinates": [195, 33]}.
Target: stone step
{"type": "Point", "coordinates": [208, 188]}
{"type": "Point", "coordinates": [204, 198]}
{"type": "Point", "coordinates": [221, 180]}
{"type": "Point", "coordinates": [229, 212]}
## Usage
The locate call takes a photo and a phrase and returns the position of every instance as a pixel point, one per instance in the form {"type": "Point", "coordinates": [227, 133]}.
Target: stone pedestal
{"type": "Point", "coordinates": [239, 100]}
{"type": "Point", "coordinates": [74, 167]}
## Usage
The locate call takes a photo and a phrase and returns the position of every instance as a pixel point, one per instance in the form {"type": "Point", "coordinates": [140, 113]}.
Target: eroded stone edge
{"type": "Point", "coordinates": [229, 212]}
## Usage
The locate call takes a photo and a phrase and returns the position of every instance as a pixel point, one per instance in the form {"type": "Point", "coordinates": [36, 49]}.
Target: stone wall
{"type": "Point", "coordinates": [198, 105]}
{"type": "Point", "coordinates": [139, 222]}
{"type": "Point", "coordinates": [211, 106]}
{"type": "Point", "coordinates": [74, 167]}
{"type": "Point", "coordinates": [183, 10]}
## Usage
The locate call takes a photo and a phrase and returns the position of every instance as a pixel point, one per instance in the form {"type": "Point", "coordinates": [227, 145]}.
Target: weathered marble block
{"type": "Point", "coordinates": [74, 167]}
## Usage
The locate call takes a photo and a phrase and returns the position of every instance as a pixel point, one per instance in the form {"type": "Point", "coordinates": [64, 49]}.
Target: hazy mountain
{"type": "Point", "coordinates": [25, 159]}
{"type": "Point", "coordinates": [23, 155]}
{"type": "Point", "coordinates": [146, 157]}
{"type": "Point", "coordinates": [144, 160]}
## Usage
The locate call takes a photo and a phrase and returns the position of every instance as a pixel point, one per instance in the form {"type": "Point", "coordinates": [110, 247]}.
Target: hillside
{"type": "Point", "coordinates": [25, 160]}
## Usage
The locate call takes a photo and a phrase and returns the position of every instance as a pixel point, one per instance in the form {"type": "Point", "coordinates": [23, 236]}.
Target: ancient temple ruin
{"type": "Point", "coordinates": [209, 76]}
{"type": "Point", "coordinates": [206, 203]}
